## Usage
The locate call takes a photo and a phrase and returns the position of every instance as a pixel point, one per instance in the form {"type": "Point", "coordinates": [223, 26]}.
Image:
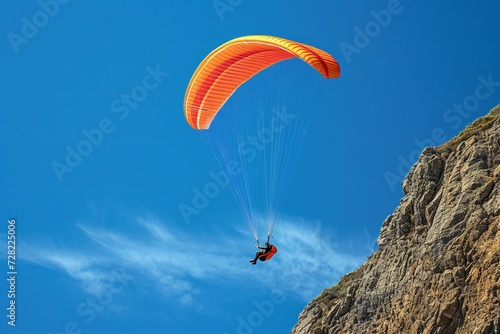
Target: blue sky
{"type": "Point", "coordinates": [102, 246]}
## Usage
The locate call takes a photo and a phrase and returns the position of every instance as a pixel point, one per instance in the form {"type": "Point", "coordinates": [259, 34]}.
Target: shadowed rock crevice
{"type": "Point", "coordinates": [437, 267]}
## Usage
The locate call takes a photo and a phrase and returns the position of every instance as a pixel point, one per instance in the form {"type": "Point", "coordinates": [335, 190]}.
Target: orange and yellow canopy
{"type": "Point", "coordinates": [231, 64]}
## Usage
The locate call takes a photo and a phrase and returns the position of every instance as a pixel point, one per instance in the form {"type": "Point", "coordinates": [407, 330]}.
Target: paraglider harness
{"type": "Point", "coordinates": [268, 251]}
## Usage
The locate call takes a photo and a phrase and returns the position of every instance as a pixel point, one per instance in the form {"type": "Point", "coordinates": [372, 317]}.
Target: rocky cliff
{"type": "Point", "coordinates": [437, 267]}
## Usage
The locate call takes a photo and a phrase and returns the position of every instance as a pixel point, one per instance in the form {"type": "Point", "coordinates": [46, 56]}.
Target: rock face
{"type": "Point", "coordinates": [437, 268]}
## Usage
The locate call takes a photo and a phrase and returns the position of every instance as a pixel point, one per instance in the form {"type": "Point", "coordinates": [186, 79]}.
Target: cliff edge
{"type": "Point", "coordinates": [437, 267]}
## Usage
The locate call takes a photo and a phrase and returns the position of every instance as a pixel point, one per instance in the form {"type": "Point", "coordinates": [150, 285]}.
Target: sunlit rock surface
{"type": "Point", "coordinates": [437, 266]}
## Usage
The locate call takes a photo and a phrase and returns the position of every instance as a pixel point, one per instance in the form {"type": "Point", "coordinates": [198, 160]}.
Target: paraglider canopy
{"type": "Point", "coordinates": [257, 154]}
{"type": "Point", "coordinates": [231, 64]}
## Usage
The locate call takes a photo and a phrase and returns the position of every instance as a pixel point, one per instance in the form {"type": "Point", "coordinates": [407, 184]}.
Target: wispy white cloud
{"type": "Point", "coordinates": [77, 265]}
{"type": "Point", "coordinates": [175, 263]}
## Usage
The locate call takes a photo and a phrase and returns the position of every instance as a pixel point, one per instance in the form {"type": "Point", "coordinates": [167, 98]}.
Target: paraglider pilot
{"type": "Point", "coordinates": [265, 253]}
